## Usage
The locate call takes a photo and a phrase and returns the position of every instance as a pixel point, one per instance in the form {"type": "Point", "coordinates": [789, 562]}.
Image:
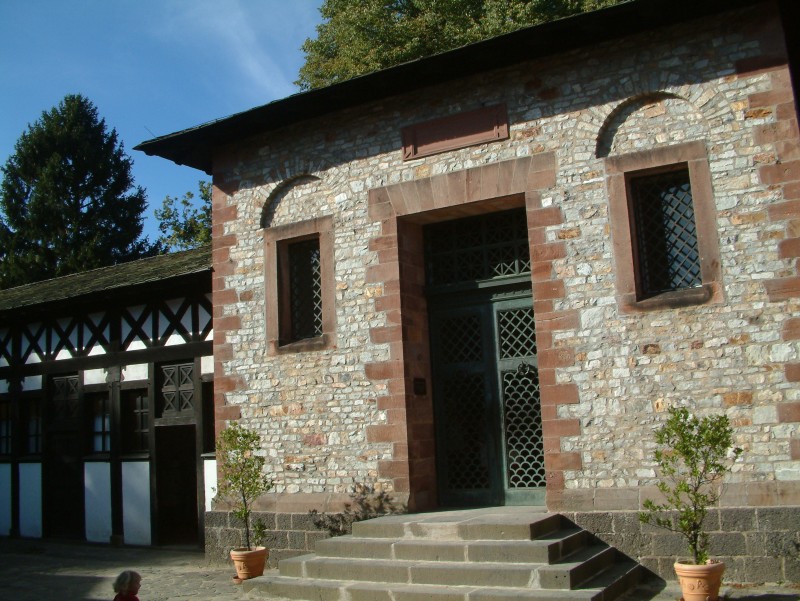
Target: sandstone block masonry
{"type": "Point", "coordinates": [714, 93]}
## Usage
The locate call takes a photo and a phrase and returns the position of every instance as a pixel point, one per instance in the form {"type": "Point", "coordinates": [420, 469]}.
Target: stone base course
{"type": "Point", "coordinates": [288, 535]}
{"type": "Point", "coordinates": [758, 545]}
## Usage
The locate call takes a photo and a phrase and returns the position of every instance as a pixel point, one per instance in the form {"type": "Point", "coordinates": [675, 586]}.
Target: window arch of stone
{"type": "Point", "coordinates": [281, 191]}
{"type": "Point", "coordinates": [649, 120]}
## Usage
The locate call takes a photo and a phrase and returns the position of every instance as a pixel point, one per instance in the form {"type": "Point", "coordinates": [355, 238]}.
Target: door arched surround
{"type": "Point", "coordinates": [402, 210]}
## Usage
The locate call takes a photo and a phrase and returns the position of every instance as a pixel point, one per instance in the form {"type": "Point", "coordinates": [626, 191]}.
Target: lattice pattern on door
{"type": "Point", "coordinates": [517, 333]}
{"type": "Point", "coordinates": [523, 426]}
{"type": "Point", "coordinates": [522, 414]}
{"type": "Point", "coordinates": [65, 398]}
{"type": "Point", "coordinates": [477, 249]}
{"type": "Point", "coordinates": [461, 339]}
{"type": "Point", "coordinates": [465, 412]}
{"type": "Point", "coordinates": [177, 389]}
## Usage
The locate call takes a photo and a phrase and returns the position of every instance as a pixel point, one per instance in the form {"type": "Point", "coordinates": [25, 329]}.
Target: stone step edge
{"type": "Point", "coordinates": [559, 546]}
{"type": "Point", "coordinates": [281, 585]}
{"type": "Point", "coordinates": [565, 576]}
{"type": "Point", "coordinates": [404, 526]}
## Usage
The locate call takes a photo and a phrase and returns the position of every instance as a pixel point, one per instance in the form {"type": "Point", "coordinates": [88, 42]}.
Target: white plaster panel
{"type": "Point", "coordinates": [32, 383]}
{"type": "Point", "coordinates": [5, 499]}
{"type": "Point", "coordinates": [210, 479]}
{"type": "Point", "coordinates": [30, 499]}
{"type": "Point", "coordinates": [94, 376]}
{"type": "Point", "coordinates": [207, 365]}
{"type": "Point", "coordinates": [136, 345]}
{"type": "Point", "coordinates": [136, 502]}
{"type": "Point", "coordinates": [3, 386]}
{"type": "Point", "coordinates": [131, 373]}
{"type": "Point", "coordinates": [97, 349]}
{"type": "Point", "coordinates": [97, 501]}
{"type": "Point", "coordinates": [174, 340]}
{"type": "Point", "coordinates": [3, 335]}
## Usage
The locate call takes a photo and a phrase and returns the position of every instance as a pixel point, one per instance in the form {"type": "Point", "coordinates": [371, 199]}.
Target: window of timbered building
{"type": "Point", "coordinates": [135, 421]}
{"type": "Point", "coordinates": [5, 426]}
{"type": "Point", "coordinates": [32, 409]}
{"type": "Point", "coordinates": [99, 412]}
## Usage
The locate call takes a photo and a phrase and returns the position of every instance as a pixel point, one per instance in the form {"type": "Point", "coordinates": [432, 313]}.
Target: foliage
{"type": "Point", "coordinates": [184, 225]}
{"type": "Point", "coordinates": [241, 475]}
{"type": "Point", "coordinates": [67, 200]}
{"type": "Point", "coordinates": [360, 36]}
{"type": "Point", "coordinates": [695, 455]}
{"type": "Point", "coordinates": [366, 504]}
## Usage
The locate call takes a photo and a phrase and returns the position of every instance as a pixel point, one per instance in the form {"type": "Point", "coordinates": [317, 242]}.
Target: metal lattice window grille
{"type": "Point", "coordinates": [305, 289]}
{"type": "Point", "coordinates": [666, 234]}
{"type": "Point", "coordinates": [477, 248]}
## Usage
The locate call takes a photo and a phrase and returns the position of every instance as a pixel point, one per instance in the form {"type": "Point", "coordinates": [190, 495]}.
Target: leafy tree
{"type": "Point", "coordinates": [184, 225]}
{"type": "Point", "coordinates": [67, 200]}
{"type": "Point", "coordinates": [359, 36]}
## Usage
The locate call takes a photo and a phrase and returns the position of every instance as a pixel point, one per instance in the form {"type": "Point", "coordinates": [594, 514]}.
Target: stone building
{"type": "Point", "coordinates": [106, 404]}
{"type": "Point", "coordinates": [481, 278]}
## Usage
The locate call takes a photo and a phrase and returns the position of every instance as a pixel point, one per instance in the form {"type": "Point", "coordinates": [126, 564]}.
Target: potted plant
{"type": "Point", "coordinates": [242, 481]}
{"type": "Point", "coordinates": [694, 455]}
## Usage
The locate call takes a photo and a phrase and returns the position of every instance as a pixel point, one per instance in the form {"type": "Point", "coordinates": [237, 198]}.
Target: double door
{"type": "Point", "coordinates": [486, 399]}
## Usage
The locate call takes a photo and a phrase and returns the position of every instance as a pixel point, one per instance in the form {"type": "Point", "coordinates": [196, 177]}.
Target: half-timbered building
{"type": "Point", "coordinates": [106, 383]}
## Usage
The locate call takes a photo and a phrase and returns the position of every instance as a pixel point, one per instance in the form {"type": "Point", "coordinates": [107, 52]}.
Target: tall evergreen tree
{"type": "Point", "coordinates": [359, 36]}
{"type": "Point", "coordinates": [68, 200]}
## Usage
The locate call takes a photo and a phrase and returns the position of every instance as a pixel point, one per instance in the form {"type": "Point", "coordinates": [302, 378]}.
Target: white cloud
{"type": "Point", "coordinates": [250, 49]}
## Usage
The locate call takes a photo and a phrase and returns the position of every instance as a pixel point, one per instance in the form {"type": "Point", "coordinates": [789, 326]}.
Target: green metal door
{"type": "Point", "coordinates": [485, 378]}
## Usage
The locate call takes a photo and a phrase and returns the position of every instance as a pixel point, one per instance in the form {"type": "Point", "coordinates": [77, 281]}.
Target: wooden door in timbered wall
{"type": "Point", "coordinates": [62, 481]}
{"type": "Point", "coordinates": [178, 415]}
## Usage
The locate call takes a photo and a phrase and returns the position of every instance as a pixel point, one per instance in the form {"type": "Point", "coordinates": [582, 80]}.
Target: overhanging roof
{"type": "Point", "coordinates": [117, 279]}
{"type": "Point", "coordinates": [195, 146]}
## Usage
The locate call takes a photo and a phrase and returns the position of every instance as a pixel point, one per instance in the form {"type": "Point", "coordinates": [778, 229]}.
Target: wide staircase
{"type": "Point", "coordinates": [466, 555]}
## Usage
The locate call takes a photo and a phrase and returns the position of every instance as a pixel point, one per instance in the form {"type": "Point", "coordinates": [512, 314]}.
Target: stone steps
{"type": "Point", "coordinates": [468, 555]}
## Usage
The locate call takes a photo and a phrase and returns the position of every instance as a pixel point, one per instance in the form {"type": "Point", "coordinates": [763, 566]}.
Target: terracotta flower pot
{"type": "Point", "coordinates": [249, 562]}
{"type": "Point", "coordinates": [700, 582]}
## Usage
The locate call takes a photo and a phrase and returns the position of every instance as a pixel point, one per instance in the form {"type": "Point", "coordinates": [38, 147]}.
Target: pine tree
{"type": "Point", "coordinates": [68, 202]}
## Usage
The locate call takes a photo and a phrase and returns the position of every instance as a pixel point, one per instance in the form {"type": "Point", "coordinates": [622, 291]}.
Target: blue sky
{"type": "Point", "coordinates": [151, 67]}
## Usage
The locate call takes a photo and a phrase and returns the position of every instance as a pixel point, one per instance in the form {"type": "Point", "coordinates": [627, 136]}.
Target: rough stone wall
{"type": "Point", "coordinates": [757, 544]}
{"type": "Point", "coordinates": [287, 535]}
{"type": "Point", "coordinates": [324, 415]}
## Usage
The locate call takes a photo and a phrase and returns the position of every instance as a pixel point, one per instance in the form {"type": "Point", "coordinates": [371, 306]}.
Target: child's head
{"type": "Point", "coordinates": [128, 583]}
